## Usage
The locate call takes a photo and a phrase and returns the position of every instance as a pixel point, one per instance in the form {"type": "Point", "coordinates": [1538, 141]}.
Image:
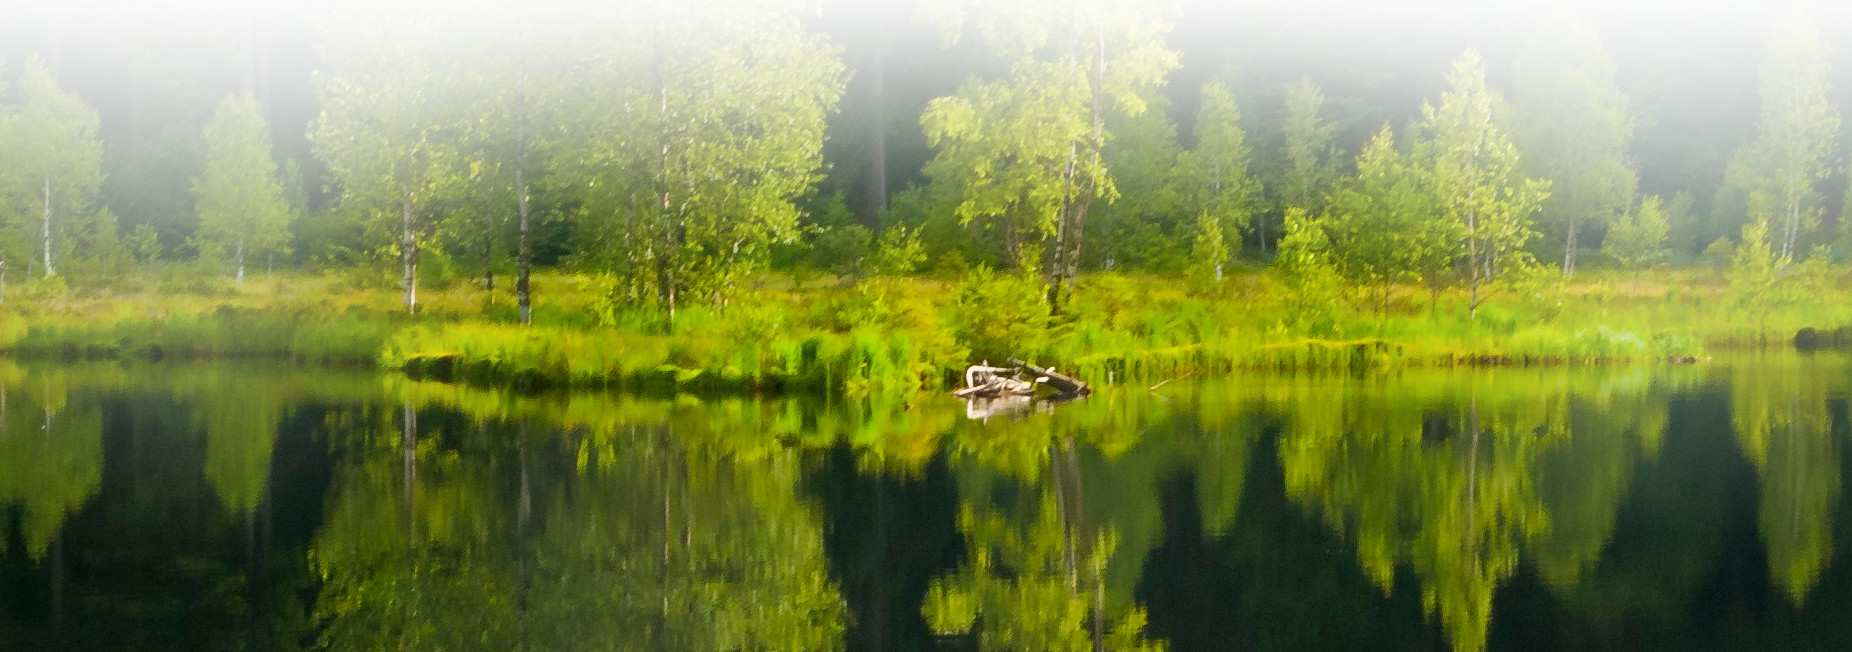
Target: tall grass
{"type": "Point", "coordinates": [895, 335]}
{"type": "Point", "coordinates": [857, 363]}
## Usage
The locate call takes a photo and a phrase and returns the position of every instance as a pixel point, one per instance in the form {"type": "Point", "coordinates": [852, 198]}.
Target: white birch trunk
{"type": "Point", "coordinates": [50, 270]}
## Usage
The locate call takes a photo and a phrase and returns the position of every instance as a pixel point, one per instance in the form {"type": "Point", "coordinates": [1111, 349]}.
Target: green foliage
{"type": "Point", "coordinates": [1574, 127]}
{"type": "Point", "coordinates": [49, 477]}
{"type": "Point", "coordinates": [1314, 290]}
{"type": "Point", "coordinates": [1384, 222]}
{"type": "Point", "coordinates": [999, 314]}
{"type": "Point", "coordinates": [842, 249]}
{"type": "Point", "coordinates": [702, 127]}
{"type": "Point", "coordinates": [56, 159]}
{"type": "Point", "coordinates": [1018, 588]}
{"type": "Point", "coordinates": [382, 134]}
{"type": "Point", "coordinates": [1209, 251]}
{"type": "Point", "coordinates": [1026, 151]}
{"type": "Point", "coordinates": [1005, 145]}
{"type": "Point", "coordinates": [1796, 141]}
{"type": "Point", "coordinates": [1718, 254]}
{"type": "Point", "coordinates": [900, 251]}
{"type": "Point", "coordinates": [1147, 227]}
{"type": "Point", "coordinates": [1474, 170]}
{"type": "Point", "coordinates": [1755, 274]}
{"type": "Point", "coordinates": [144, 243]}
{"type": "Point", "coordinates": [894, 335]}
{"type": "Point", "coordinates": [1214, 179]}
{"type": "Point", "coordinates": [1783, 425]}
{"type": "Point", "coordinates": [1636, 242]}
{"type": "Point", "coordinates": [1311, 158]}
{"type": "Point", "coordinates": [238, 195]}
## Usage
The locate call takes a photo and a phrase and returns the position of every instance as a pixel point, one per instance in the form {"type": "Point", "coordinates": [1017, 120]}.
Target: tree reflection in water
{"type": "Point", "coordinates": [452, 534]}
{"type": "Point", "coordinates": [1454, 476]}
{"type": "Point", "coordinates": [1786, 429]}
{"type": "Point", "coordinates": [1259, 511]}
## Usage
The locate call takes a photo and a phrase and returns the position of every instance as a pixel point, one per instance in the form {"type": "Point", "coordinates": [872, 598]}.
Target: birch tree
{"type": "Point", "coordinates": [1574, 128]}
{"type": "Point", "coordinates": [700, 127]}
{"type": "Point", "coordinates": [1311, 159]}
{"type": "Point", "coordinates": [1217, 182]}
{"type": "Point", "coordinates": [381, 131]}
{"type": "Point", "coordinates": [1637, 241]}
{"type": "Point", "coordinates": [1025, 149]}
{"type": "Point", "coordinates": [238, 194]}
{"type": "Point", "coordinates": [60, 168]}
{"type": "Point", "coordinates": [1474, 168]}
{"type": "Point", "coordinates": [1796, 137]}
{"type": "Point", "coordinates": [1386, 224]}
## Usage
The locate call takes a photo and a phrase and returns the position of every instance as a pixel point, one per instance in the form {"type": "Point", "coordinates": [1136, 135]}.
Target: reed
{"type": "Point", "coordinates": [887, 336]}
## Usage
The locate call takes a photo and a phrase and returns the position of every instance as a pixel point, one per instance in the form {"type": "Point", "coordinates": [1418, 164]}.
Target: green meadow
{"type": "Point", "coordinates": [905, 334]}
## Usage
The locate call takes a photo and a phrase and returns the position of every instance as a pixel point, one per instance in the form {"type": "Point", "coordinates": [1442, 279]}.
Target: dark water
{"type": "Point", "coordinates": [176, 507]}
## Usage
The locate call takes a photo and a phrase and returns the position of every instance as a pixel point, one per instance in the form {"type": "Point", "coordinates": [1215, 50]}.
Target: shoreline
{"type": "Point", "coordinates": [877, 335]}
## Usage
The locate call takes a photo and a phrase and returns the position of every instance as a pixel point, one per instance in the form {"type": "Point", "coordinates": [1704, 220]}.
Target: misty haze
{"type": "Point", "coordinates": [1007, 325]}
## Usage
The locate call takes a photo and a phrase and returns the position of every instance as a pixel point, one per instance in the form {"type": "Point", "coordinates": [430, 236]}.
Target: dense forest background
{"type": "Point", "coordinates": [1689, 79]}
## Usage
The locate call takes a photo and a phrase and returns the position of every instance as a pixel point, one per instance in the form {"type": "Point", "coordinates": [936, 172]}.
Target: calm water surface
{"type": "Point", "coordinates": [228, 507]}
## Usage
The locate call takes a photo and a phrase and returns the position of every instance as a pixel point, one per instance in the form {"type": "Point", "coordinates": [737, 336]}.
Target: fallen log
{"type": "Point", "coordinates": [1012, 389]}
{"type": "Point", "coordinates": [1048, 376]}
{"type": "Point", "coordinates": [998, 387]}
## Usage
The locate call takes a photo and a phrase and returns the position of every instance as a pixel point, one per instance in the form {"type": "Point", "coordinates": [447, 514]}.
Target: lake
{"type": "Point", "coordinates": [234, 506]}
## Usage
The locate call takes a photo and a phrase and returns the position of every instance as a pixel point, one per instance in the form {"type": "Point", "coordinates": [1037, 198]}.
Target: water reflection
{"type": "Point", "coordinates": [51, 456]}
{"type": "Point", "coordinates": [1453, 476]}
{"type": "Point", "coordinates": [1785, 427]}
{"type": "Point", "coordinates": [164, 506]}
{"type": "Point", "coordinates": [453, 534]}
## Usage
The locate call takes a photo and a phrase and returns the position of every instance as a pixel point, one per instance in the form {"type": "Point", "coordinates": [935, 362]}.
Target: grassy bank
{"type": "Point", "coordinates": [889, 335]}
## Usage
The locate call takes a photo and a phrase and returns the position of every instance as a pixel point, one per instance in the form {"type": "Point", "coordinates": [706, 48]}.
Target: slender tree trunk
{"type": "Point", "coordinates": [668, 527]}
{"type": "Point", "coordinates": [1570, 238]}
{"type": "Point", "coordinates": [1472, 473]}
{"type": "Point", "coordinates": [1793, 227]}
{"type": "Point", "coordinates": [1098, 108]}
{"type": "Point", "coordinates": [408, 481]}
{"type": "Point", "coordinates": [408, 446]}
{"type": "Point", "coordinates": [523, 255]}
{"type": "Point", "coordinates": [1095, 575]}
{"type": "Point", "coordinates": [488, 253]}
{"type": "Point", "coordinates": [240, 257]}
{"type": "Point", "coordinates": [50, 269]}
{"type": "Point", "coordinates": [1072, 219]}
{"type": "Point", "coordinates": [57, 548]}
{"type": "Point", "coordinates": [523, 509]}
{"type": "Point", "coordinates": [1076, 536]}
{"type": "Point", "coordinates": [1473, 254]}
{"type": "Point", "coordinates": [664, 231]}
{"type": "Point", "coordinates": [1569, 249]}
{"type": "Point", "coordinates": [1472, 262]}
{"type": "Point", "coordinates": [1052, 259]}
{"type": "Point", "coordinates": [1064, 514]}
{"type": "Point", "coordinates": [408, 251]}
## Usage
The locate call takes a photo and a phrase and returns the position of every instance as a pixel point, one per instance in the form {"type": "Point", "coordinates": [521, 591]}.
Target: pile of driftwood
{"type": "Point", "coordinates": [1019, 388]}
